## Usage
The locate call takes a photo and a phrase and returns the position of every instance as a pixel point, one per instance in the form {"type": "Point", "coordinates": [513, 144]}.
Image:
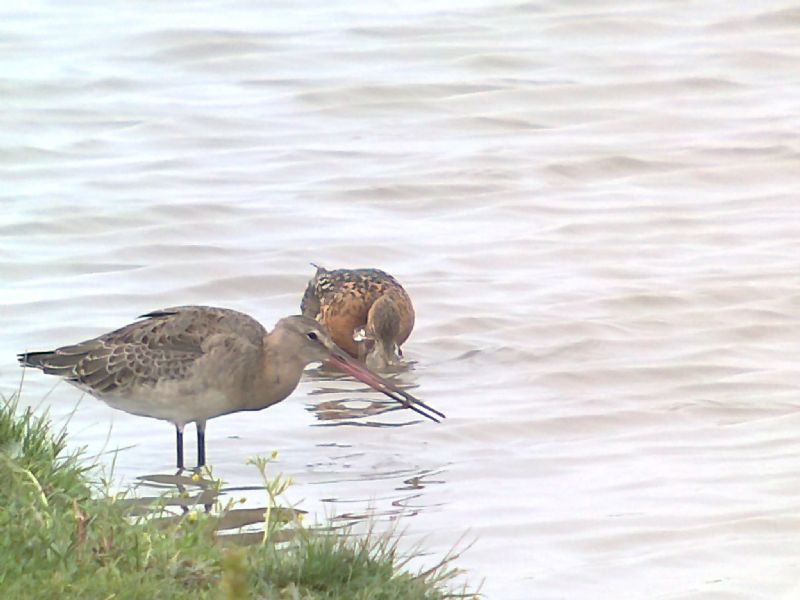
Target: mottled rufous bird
{"type": "Point", "coordinates": [366, 311]}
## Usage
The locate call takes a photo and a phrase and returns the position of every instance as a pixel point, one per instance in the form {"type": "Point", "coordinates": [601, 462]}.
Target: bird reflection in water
{"type": "Point", "coordinates": [355, 407]}
{"type": "Point", "coordinates": [170, 498]}
{"type": "Point", "coordinates": [356, 404]}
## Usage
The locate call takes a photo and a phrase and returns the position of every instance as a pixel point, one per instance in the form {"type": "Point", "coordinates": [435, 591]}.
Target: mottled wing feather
{"type": "Point", "coordinates": [193, 326]}
{"type": "Point", "coordinates": [164, 346]}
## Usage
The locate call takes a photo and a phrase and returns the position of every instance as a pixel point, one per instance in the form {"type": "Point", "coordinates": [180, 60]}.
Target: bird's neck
{"type": "Point", "coordinates": [382, 355]}
{"type": "Point", "coordinates": [281, 370]}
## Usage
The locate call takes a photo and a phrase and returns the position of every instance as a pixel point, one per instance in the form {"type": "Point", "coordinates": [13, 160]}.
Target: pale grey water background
{"type": "Point", "coordinates": [593, 205]}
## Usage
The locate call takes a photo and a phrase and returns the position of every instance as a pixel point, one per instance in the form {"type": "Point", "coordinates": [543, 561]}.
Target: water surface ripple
{"type": "Point", "coordinates": [592, 204]}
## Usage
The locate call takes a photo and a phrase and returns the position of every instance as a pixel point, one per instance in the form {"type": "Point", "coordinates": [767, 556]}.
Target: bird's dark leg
{"type": "Point", "coordinates": [201, 459]}
{"type": "Point", "coordinates": [179, 444]}
{"type": "Point", "coordinates": [201, 443]}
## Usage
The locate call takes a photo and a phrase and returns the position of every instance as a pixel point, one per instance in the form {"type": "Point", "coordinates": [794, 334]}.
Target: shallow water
{"type": "Point", "coordinates": [592, 204]}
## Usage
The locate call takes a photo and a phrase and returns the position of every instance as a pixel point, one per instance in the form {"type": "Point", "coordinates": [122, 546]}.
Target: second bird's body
{"type": "Point", "coordinates": [366, 311]}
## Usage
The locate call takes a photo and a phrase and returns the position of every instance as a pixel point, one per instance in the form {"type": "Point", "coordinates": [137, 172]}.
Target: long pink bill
{"type": "Point", "coordinates": [343, 362]}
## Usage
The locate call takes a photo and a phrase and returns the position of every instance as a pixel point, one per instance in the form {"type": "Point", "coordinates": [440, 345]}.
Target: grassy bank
{"type": "Point", "coordinates": [66, 536]}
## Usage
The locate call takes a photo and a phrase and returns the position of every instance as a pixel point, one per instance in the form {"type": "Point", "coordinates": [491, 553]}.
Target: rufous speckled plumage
{"type": "Point", "coordinates": [349, 301]}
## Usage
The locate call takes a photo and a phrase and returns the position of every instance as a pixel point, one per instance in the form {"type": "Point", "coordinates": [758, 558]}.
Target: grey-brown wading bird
{"type": "Point", "coordinates": [366, 311]}
{"type": "Point", "coordinates": [193, 363]}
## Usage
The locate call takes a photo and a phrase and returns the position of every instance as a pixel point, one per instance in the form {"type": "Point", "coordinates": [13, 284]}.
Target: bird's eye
{"type": "Point", "coordinates": [312, 335]}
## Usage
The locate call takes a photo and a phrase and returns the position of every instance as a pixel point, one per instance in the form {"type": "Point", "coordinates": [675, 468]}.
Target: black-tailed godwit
{"type": "Point", "coordinates": [193, 363]}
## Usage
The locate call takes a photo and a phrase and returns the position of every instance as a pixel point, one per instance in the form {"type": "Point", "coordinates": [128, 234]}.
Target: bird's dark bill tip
{"type": "Point", "coordinates": [363, 374]}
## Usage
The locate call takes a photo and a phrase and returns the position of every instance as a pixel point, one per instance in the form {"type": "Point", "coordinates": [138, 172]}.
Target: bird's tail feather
{"type": "Point", "coordinates": [52, 362]}
{"type": "Point", "coordinates": [36, 360]}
